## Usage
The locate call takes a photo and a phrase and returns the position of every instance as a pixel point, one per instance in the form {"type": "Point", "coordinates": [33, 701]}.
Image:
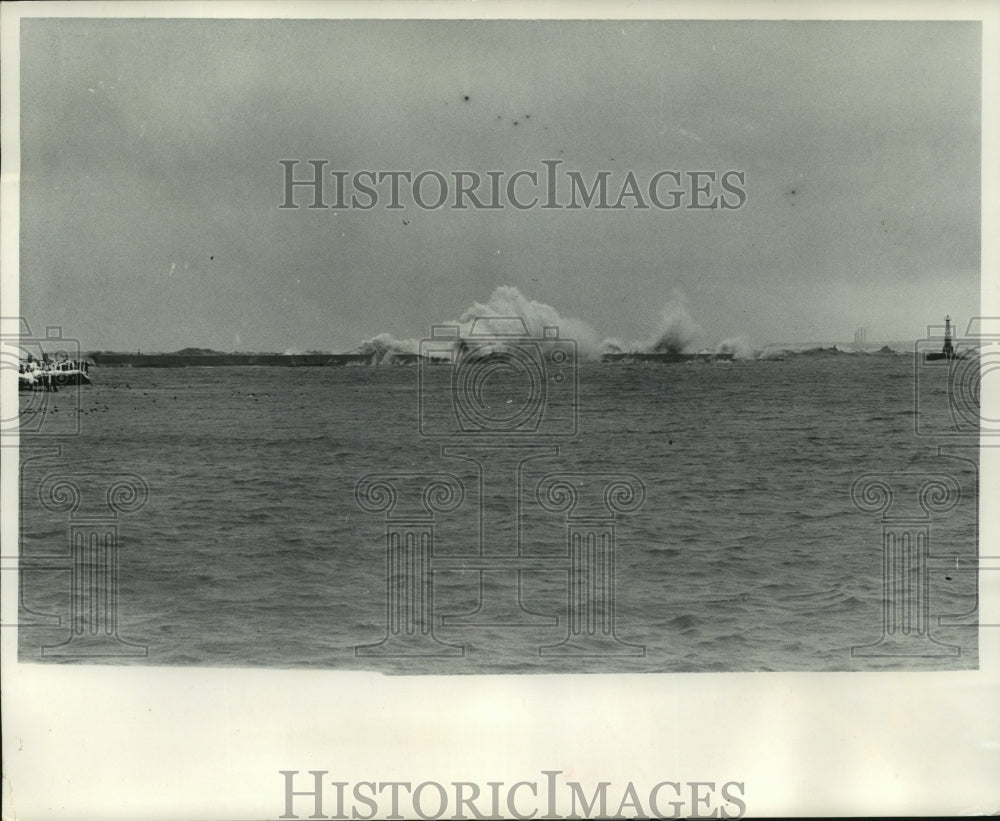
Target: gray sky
{"type": "Point", "coordinates": [150, 176]}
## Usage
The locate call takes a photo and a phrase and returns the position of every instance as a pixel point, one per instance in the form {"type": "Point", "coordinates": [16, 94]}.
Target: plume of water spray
{"type": "Point", "coordinates": [738, 346]}
{"type": "Point", "coordinates": [508, 301]}
{"type": "Point", "coordinates": [381, 349]}
{"type": "Point", "coordinates": [676, 332]}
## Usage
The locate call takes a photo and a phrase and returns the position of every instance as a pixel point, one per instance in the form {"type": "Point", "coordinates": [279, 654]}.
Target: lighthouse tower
{"type": "Point", "coordinates": [947, 350]}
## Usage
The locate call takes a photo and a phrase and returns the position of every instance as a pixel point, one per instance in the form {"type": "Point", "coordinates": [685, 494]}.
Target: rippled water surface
{"type": "Point", "coordinates": [746, 554]}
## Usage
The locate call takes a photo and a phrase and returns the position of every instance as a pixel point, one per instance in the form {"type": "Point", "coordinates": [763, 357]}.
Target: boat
{"type": "Point", "coordinates": [47, 375]}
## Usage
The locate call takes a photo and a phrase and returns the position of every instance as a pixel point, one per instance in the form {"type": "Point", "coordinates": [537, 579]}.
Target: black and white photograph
{"type": "Point", "coordinates": [591, 403]}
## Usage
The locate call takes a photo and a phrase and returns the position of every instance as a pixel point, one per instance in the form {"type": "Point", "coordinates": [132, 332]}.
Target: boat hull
{"type": "Point", "coordinates": [51, 380]}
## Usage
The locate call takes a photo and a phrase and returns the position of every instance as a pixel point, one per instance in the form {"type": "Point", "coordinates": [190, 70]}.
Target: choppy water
{"type": "Point", "coordinates": [747, 553]}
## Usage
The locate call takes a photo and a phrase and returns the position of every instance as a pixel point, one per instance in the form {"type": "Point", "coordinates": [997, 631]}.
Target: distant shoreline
{"type": "Point", "coordinates": [216, 359]}
{"type": "Point", "coordinates": [200, 357]}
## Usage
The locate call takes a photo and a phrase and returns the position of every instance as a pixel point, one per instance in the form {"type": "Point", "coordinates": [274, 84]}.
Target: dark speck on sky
{"type": "Point", "coordinates": [115, 115]}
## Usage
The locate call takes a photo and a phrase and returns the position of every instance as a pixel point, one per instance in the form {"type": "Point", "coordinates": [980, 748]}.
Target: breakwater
{"type": "Point", "coordinates": [666, 357]}
{"type": "Point", "coordinates": [183, 360]}
{"type": "Point", "coordinates": [174, 360]}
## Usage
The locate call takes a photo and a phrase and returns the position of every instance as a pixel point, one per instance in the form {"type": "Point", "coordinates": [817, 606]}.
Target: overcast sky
{"type": "Point", "coordinates": [151, 178]}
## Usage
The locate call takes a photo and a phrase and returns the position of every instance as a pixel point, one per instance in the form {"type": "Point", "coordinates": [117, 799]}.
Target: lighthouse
{"type": "Point", "coordinates": [947, 350]}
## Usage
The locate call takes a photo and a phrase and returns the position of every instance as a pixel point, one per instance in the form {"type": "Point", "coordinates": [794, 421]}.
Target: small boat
{"type": "Point", "coordinates": [33, 375]}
